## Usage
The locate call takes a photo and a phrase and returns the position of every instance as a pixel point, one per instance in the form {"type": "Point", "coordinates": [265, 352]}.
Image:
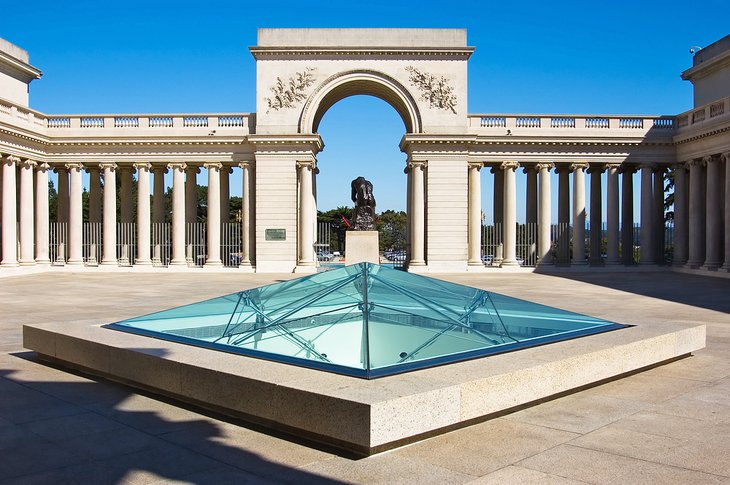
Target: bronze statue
{"type": "Point", "coordinates": [363, 216]}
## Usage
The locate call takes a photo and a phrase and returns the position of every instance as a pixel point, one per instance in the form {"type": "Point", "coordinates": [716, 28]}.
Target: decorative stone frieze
{"type": "Point", "coordinates": [437, 91]}
{"type": "Point", "coordinates": [290, 93]}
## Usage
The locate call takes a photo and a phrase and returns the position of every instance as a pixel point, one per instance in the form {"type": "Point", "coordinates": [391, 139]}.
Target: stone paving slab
{"type": "Point", "coordinates": [31, 392]}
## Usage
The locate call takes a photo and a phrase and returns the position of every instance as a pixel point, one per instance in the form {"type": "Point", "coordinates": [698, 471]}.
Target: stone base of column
{"type": "Point", "coordinates": [75, 262]}
{"type": "Point", "coordinates": [579, 263]}
{"type": "Point", "coordinates": [213, 263]}
{"type": "Point", "coordinates": [27, 263]}
{"type": "Point", "coordinates": [725, 268]}
{"type": "Point", "coordinates": [9, 264]}
{"type": "Point", "coordinates": [693, 264]}
{"type": "Point", "coordinates": [506, 263]}
{"type": "Point", "coordinates": [710, 266]}
{"type": "Point", "coordinates": [143, 262]}
{"type": "Point", "coordinates": [614, 262]}
{"type": "Point", "coordinates": [646, 263]}
{"type": "Point", "coordinates": [246, 267]}
{"type": "Point", "coordinates": [43, 262]}
{"type": "Point", "coordinates": [180, 262]}
{"type": "Point", "coordinates": [417, 267]}
{"type": "Point", "coordinates": [475, 263]}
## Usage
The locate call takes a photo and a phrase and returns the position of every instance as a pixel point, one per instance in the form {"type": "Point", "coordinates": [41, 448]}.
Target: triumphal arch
{"type": "Point", "coordinates": [422, 74]}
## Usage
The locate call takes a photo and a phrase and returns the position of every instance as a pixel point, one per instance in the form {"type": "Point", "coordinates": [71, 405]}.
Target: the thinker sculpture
{"type": "Point", "coordinates": [363, 216]}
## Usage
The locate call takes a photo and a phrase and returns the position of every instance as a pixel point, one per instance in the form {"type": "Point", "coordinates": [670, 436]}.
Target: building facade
{"type": "Point", "coordinates": [422, 74]}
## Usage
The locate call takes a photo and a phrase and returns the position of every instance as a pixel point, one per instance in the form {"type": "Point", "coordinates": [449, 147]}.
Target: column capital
{"type": "Point", "coordinates": [695, 162]}
{"type": "Point", "coordinates": [108, 166]}
{"type": "Point", "coordinates": [422, 164]}
{"type": "Point", "coordinates": [189, 167]}
{"type": "Point", "coordinates": [651, 166]}
{"type": "Point", "coordinates": [245, 165]}
{"type": "Point", "coordinates": [578, 166]}
{"type": "Point", "coordinates": [91, 168]}
{"type": "Point", "coordinates": [509, 165]}
{"type": "Point", "coordinates": [613, 166]}
{"type": "Point", "coordinates": [74, 166]}
{"type": "Point", "coordinates": [529, 168]}
{"type": "Point", "coordinates": [597, 167]}
{"type": "Point", "coordinates": [627, 169]}
{"type": "Point", "coordinates": [42, 167]}
{"type": "Point", "coordinates": [475, 165]}
{"type": "Point", "coordinates": [10, 160]}
{"type": "Point", "coordinates": [213, 166]}
{"type": "Point", "coordinates": [544, 166]}
{"type": "Point", "coordinates": [308, 164]}
{"type": "Point", "coordinates": [27, 163]}
{"type": "Point", "coordinates": [563, 168]}
{"type": "Point", "coordinates": [681, 166]}
{"type": "Point", "coordinates": [141, 165]}
{"type": "Point", "coordinates": [707, 159]}
{"type": "Point", "coordinates": [726, 156]}
{"type": "Point", "coordinates": [182, 166]}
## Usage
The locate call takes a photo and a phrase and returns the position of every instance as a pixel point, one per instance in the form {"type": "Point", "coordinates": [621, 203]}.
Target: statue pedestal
{"type": "Point", "coordinates": [361, 247]}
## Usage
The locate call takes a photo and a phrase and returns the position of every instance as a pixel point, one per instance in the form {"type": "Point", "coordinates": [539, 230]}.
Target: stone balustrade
{"type": "Point", "coordinates": [110, 125]}
{"type": "Point", "coordinates": [589, 125]}
{"type": "Point", "coordinates": [699, 118]}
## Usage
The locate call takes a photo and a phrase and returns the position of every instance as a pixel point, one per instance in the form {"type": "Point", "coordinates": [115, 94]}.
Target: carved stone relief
{"type": "Point", "coordinates": [436, 90]}
{"type": "Point", "coordinates": [286, 94]}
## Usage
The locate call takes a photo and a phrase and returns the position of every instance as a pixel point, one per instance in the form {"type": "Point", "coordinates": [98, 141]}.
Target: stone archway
{"type": "Point", "coordinates": [359, 82]}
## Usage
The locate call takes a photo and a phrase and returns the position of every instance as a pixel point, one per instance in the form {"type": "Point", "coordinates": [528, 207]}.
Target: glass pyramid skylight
{"type": "Point", "coordinates": [365, 320]}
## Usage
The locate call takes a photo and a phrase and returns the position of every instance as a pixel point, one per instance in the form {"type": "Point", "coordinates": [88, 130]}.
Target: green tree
{"type": "Point", "coordinates": [52, 203]}
{"type": "Point", "coordinates": [391, 226]}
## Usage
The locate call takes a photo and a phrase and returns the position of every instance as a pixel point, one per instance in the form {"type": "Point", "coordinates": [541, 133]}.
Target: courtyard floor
{"type": "Point", "coordinates": [667, 425]}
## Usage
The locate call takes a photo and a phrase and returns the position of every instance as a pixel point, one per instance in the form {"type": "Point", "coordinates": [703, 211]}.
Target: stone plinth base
{"type": "Point", "coordinates": [361, 247]}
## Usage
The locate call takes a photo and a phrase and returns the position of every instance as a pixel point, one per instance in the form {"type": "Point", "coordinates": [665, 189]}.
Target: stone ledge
{"type": "Point", "coordinates": [358, 415]}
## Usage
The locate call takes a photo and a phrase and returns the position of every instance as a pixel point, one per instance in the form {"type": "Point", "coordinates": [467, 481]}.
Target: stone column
{"type": "Point", "coordinates": [143, 214]}
{"type": "Point", "coordinates": [125, 198]}
{"type": "Point", "coordinates": [681, 214]}
{"type": "Point", "coordinates": [178, 214]}
{"type": "Point", "coordinates": [158, 194]}
{"type": "Point", "coordinates": [531, 211]}
{"type": "Point", "coordinates": [696, 215]}
{"type": "Point", "coordinates": [9, 214]}
{"type": "Point", "coordinates": [214, 214]}
{"type": "Point", "coordinates": [94, 194]}
{"type": "Point", "coordinates": [713, 229]}
{"type": "Point", "coordinates": [563, 234]}
{"type": "Point", "coordinates": [658, 214]}
{"type": "Point", "coordinates": [109, 230]}
{"type": "Point", "coordinates": [646, 250]}
{"type": "Point", "coordinates": [225, 195]}
{"type": "Point", "coordinates": [246, 201]}
{"type": "Point", "coordinates": [596, 237]}
{"type": "Point", "coordinates": [627, 214]}
{"type": "Point", "coordinates": [306, 228]}
{"type": "Point", "coordinates": [498, 213]}
{"type": "Point", "coordinates": [27, 256]}
{"type": "Point", "coordinates": [75, 215]}
{"type": "Point", "coordinates": [41, 214]}
{"type": "Point", "coordinates": [475, 215]}
{"type": "Point", "coordinates": [612, 217]}
{"type": "Point", "coordinates": [510, 214]}
{"type": "Point", "coordinates": [544, 254]}
{"type": "Point", "coordinates": [191, 193]}
{"type": "Point", "coordinates": [418, 205]}
{"type": "Point", "coordinates": [579, 213]}
{"type": "Point", "coordinates": [726, 263]}
{"type": "Point", "coordinates": [62, 191]}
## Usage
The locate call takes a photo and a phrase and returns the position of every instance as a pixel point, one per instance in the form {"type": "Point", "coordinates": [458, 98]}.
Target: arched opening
{"type": "Point", "coordinates": [361, 136]}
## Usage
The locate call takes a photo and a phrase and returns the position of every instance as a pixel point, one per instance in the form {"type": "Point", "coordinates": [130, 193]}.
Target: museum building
{"type": "Point", "coordinates": [422, 74]}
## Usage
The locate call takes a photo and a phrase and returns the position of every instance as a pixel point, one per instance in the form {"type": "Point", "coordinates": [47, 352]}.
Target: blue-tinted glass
{"type": "Point", "coordinates": [365, 320]}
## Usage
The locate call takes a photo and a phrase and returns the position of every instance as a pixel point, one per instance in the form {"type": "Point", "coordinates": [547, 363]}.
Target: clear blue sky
{"type": "Point", "coordinates": [531, 57]}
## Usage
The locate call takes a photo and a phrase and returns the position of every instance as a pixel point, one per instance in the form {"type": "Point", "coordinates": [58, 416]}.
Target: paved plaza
{"type": "Point", "coordinates": [667, 425]}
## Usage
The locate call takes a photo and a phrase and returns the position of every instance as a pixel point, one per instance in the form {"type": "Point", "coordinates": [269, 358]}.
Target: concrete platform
{"type": "Point", "coordinates": [360, 416]}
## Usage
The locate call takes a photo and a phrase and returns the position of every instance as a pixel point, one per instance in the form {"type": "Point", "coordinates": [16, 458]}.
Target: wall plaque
{"type": "Point", "coordinates": [276, 234]}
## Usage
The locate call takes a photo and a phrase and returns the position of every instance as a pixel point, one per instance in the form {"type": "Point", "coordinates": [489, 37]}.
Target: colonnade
{"type": "Point", "coordinates": [25, 208]}
{"type": "Point", "coordinates": [702, 212]}
{"type": "Point", "coordinates": [538, 210]}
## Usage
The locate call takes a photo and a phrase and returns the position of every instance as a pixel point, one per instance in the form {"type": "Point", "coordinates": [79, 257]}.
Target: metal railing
{"type": "Point", "coordinates": [231, 244]}
{"type": "Point", "coordinates": [196, 244]}
{"type": "Point", "coordinates": [161, 244]}
{"type": "Point", "coordinates": [92, 243]}
{"type": "Point", "coordinates": [492, 248]}
{"type": "Point", "coordinates": [126, 243]}
{"type": "Point", "coordinates": [58, 243]}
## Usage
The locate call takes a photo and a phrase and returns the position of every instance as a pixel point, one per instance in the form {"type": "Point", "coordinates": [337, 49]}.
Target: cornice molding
{"type": "Point", "coordinates": [264, 53]}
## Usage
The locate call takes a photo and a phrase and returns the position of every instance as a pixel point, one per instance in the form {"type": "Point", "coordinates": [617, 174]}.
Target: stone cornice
{"type": "Point", "coordinates": [20, 67]}
{"type": "Point", "coordinates": [264, 53]}
{"type": "Point", "coordinates": [682, 139]}
{"type": "Point", "coordinates": [314, 141]}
